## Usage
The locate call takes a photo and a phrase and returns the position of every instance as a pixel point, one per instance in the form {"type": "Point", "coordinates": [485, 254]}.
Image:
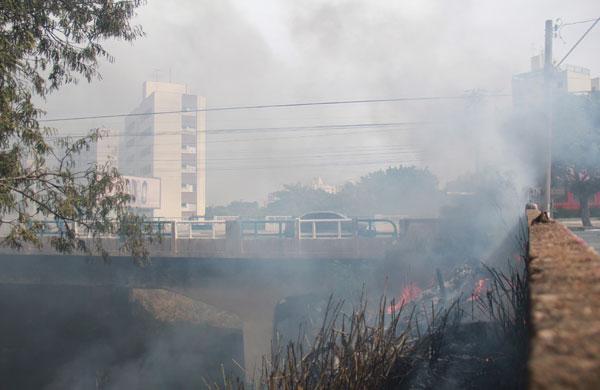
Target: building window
{"type": "Point", "coordinates": [189, 103]}
{"type": "Point", "coordinates": [188, 168]}
{"type": "Point", "coordinates": [188, 206]}
{"type": "Point", "coordinates": [188, 122]}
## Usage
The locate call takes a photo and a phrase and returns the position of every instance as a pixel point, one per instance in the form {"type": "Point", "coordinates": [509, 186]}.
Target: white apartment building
{"type": "Point", "coordinates": [170, 146]}
{"type": "Point", "coordinates": [104, 151]}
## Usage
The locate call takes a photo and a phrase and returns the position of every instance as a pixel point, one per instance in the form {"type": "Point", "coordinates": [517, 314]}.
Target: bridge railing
{"type": "Point", "coordinates": [257, 228]}
{"type": "Point", "coordinates": [325, 228]}
{"type": "Point", "coordinates": [210, 229]}
{"type": "Point", "coordinates": [300, 229]}
{"type": "Point", "coordinates": [372, 223]}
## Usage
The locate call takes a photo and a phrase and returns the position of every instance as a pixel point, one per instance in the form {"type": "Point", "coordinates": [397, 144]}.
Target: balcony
{"type": "Point", "coordinates": [188, 207]}
{"type": "Point", "coordinates": [188, 149]}
{"type": "Point", "coordinates": [188, 168]}
{"type": "Point", "coordinates": [187, 188]}
{"type": "Point", "coordinates": [188, 130]}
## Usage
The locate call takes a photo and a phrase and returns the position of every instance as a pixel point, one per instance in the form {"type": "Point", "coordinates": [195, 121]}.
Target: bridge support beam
{"type": "Point", "coordinates": [257, 334]}
{"type": "Point", "coordinates": [254, 308]}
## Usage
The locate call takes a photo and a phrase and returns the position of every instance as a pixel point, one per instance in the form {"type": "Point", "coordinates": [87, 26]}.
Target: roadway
{"type": "Point", "coordinates": [590, 235]}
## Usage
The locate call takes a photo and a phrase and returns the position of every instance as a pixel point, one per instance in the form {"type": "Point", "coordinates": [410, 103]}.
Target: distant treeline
{"type": "Point", "coordinates": [407, 191]}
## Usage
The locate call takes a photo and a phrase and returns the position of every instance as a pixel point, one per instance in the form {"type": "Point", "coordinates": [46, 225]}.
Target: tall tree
{"type": "Point", "coordinates": [296, 199]}
{"type": "Point", "coordinates": [395, 190]}
{"type": "Point", "coordinates": [238, 208]}
{"type": "Point", "coordinates": [576, 148]}
{"type": "Point", "coordinates": [45, 44]}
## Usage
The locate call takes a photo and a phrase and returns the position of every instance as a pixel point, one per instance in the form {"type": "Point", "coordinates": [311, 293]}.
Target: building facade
{"type": "Point", "coordinates": [170, 146]}
{"type": "Point", "coordinates": [528, 88]}
{"type": "Point", "coordinates": [103, 152]}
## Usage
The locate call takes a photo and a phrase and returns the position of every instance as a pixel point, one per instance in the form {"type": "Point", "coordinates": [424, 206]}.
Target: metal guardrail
{"type": "Point", "coordinates": [303, 229]}
{"type": "Point", "coordinates": [212, 229]}
{"type": "Point", "coordinates": [268, 228]}
{"type": "Point", "coordinates": [372, 221]}
{"type": "Point", "coordinates": [300, 229]}
{"type": "Point", "coordinates": [330, 228]}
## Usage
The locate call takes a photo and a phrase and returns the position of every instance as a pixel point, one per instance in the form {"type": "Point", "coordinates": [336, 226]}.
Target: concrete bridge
{"type": "Point", "coordinates": [327, 239]}
{"type": "Point", "coordinates": [248, 288]}
{"type": "Point", "coordinates": [246, 271]}
{"type": "Point", "coordinates": [243, 268]}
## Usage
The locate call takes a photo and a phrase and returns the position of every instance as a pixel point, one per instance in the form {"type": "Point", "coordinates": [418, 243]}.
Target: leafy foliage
{"type": "Point", "coordinates": [396, 190]}
{"type": "Point", "coordinates": [238, 207]}
{"type": "Point", "coordinates": [45, 44]}
{"type": "Point", "coordinates": [296, 199]}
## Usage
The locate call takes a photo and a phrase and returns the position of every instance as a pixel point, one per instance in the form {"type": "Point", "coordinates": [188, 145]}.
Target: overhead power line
{"type": "Point", "coordinates": [330, 133]}
{"type": "Point", "coordinates": [321, 165]}
{"type": "Point", "coordinates": [264, 106]}
{"type": "Point", "coordinates": [315, 157]}
{"type": "Point", "coordinates": [577, 22]}
{"type": "Point", "coordinates": [322, 131]}
{"type": "Point", "coordinates": [578, 42]}
{"type": "Point", "coordinates": [256, 129]}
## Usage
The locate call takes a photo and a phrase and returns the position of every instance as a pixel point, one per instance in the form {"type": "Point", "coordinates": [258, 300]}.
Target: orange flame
{"type": "Point", "coordinates": [477, 290]}
{"type": "Point", "coordinates": [409, 294]}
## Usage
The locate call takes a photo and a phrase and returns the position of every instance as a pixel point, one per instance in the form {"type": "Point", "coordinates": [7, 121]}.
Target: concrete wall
{"type": "Point", "coordinates": [248, 289]}
{"type": "Point", "coordinates": [236, 248]}
{"type": "Point", "coordinates": [76, 337]}
{"type": "Point", "coordinates": [565, 316]}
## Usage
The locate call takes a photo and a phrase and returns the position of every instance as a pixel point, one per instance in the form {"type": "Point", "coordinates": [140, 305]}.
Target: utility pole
{"type": "Point", "coordinates": [548, 98]}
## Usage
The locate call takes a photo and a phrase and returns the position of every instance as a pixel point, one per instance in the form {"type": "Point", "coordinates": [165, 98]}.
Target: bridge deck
{"type": "Point", "coordinates": [262, 248]}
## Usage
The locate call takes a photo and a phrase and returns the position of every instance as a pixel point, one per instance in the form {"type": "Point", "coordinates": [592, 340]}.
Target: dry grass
{"type": "Point", "coordinates": [353, 351]}
{"type": "Point", "coordinates": [417, 347]}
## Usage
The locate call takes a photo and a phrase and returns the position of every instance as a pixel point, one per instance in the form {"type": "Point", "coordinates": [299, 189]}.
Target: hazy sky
{"type": "Point", "coordinates": [241, 52]}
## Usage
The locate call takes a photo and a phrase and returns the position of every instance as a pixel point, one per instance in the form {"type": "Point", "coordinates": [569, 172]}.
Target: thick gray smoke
{"type": "Point", "coordinates": [235, 52]}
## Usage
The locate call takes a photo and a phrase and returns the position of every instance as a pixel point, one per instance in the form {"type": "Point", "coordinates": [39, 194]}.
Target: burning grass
{"type": "Point", "coordinates": [469, 331]}
{"type": "Point", "coordinates": [359, 350]}
{"type": "Point", "coordinates": [417, 346]}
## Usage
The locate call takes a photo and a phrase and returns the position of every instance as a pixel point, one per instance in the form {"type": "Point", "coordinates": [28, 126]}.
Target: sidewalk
{"type": "Point", "coordinates": [575, 223]}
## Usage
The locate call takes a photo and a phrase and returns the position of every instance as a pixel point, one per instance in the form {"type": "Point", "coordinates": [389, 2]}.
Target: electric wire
{"type": "Point", "coordinates": [282, 137]}
{"type": "Point", "coordinates": [265, 106]}
{"type": "Point", "coordinates": [388, 162]}
{"type": "Point", "coordinates": [252, 129]}
{"type": "Point", "coordinates": [578, 42]}
{"type": "Point", "coordinates": [299, 157]}
{"type": "Point", "coordinates": [577, 22]}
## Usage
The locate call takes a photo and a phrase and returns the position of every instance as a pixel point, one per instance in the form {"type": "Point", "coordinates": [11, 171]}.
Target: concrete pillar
{"type": "Point", "coordinates": [355, 238]}
{"type": "Point", "coordinates": [233, 239]}
{"type": "Point", "coordinates": [174, 237]}
{"type": "Point", "coordinates": [297, 229]}
{"type": "Point", "coordinates": [257, 333]}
